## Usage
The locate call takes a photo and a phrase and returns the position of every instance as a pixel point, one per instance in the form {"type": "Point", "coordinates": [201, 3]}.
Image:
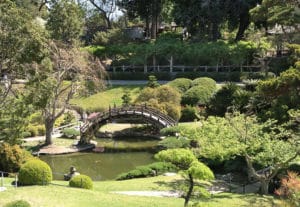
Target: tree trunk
{"type": "Point", "coordinates": [147, 27]}
{"type": "Point", "coordinates": [264, 188]}
{"type": "Point", "coordinates": [189, 193]}
{"type": "Point", "coordinates": [107, 20]}
{"type": "Point", "coordinates": [153, 27]}
{"type": "Point", "coordinates": [49, 124]}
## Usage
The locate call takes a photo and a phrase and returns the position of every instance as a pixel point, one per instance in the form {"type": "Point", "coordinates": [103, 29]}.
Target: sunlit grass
{"type": "Point", "coordinates": [110, 97]}
{"type": "Point", "coordinates": [59, 194]}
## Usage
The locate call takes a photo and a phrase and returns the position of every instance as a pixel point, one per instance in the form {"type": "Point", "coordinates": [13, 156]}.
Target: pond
{"type": "Point", "coordinates": [126, 155]}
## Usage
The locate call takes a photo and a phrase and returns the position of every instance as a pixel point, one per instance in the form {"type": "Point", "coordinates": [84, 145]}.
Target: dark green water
{"type": "Point", "coordinates": [99, 166]}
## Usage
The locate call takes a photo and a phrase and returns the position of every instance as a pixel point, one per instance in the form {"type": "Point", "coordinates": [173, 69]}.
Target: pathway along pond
{"type": "Point", "coordinates": [103, 166]}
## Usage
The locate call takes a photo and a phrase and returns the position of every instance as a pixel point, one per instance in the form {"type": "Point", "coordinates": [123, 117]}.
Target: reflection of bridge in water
{"type": "Point", "coordinates": [140, 113]}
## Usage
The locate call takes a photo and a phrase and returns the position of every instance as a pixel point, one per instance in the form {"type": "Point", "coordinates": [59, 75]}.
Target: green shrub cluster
{"type": "Point", "coordinates": [12, 157]}
{"type": "Point", "coordinates": [205, 81]}
{"type": "Point", "coordinates": [138, 75]}
{"type": "Point", "coordinates": [182, 84]}
{"type": "Point", "coordinates": [164, 98]}
{"type": "Point", "coordinates": [153, 169]}
{"type": "Point", "coordinates": [189, 113]}
{"type": "Point", "coordinates": [81, 181]}
{"type": "Point", "coordinates": [35, 130]}
{"type": "Point", "coordinates": [70, 133]}
{"type": "Point", "coordinates": [171, 131]}
{"type": "Point", "coordinates": [197, 95]}
{"type": "Point", "coordinates": [35, 172]}
{"type": "Point", "coordinates": [18, 203]}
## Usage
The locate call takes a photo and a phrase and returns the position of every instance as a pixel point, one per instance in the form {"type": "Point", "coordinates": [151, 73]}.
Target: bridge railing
{"type": "Point", "coordinates": [135, 109]}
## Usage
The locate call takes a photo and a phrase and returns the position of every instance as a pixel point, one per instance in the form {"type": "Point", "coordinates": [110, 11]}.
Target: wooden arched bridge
{"type": "Point", "coordinates": [143, 113]}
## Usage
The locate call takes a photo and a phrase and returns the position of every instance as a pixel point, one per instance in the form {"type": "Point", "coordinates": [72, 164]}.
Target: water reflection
{"type": "Point", "coordinates": [99, 166]}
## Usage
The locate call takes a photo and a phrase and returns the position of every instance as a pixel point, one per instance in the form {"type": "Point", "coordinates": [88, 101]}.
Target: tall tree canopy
{"type": "Point", "coordinates": [205, 18]}
{"type": "Point", "coordinates": [65, 21]}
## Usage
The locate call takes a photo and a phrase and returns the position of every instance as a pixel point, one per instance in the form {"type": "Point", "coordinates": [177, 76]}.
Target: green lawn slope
{"type": "Point", "coordinates": [58, 194]}
{"type": "Point", "coordinates": [102, 100]}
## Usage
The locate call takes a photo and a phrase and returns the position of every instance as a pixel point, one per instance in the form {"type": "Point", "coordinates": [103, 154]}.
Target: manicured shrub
{"type": "Point", "coordinates": [153, 169]}
{"type": "Point", "coordinates": [81, 181]}
{"type": "Point", "coordinates": [181, 84]}
{"type": "Point", "coordinates": [162, 167]}
{"type": "Point", "coordinates": [189, 113]}
{"type": "Point", "coordinates": [206, 82]}
{"type": "Point", "coordinates": [70, 133]}
{"type": "Point", "coordinates": [12, 157]}
{"type": "Point", "coordinates": [35, 172]}
{"type": "Point", "coordinates": [172, 131]}
{"type": "Point", "coordinates": [197, 95]}
{"type": "Point", "coordinates": [19, 203]}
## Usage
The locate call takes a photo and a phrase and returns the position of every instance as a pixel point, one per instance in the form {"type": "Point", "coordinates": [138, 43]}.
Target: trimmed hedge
{"type": "Point", "coordinates": [35, 172]}
{"type": "Point", "coordinates": [182, 84]}
{"type": "Point", "coordinates": [197, 95]}
{"type": "Point", "coordinates": [153, 169]}
{"type": "Point", "coordinates": [19, 203]}
{"type": "Point", "coordinates": [81, 181]}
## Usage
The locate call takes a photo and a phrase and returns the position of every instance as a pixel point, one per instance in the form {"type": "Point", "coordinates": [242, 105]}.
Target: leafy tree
{"type": "Point", "coordinates": [276, 96]}
{"type": "Point", "coordinates": [205, 17]}
{"type": "Point", "coordinates": [152, 82]}
{"type": "Point", "coordinates": [58, 79]}
{"type": "Point", "coordinates": [14, 119]}
{"type": "Point", "coordinates": [147, 10]}
{"type": "Point", "coordinates": [21, 42]}
{"type": "Point", "coordinates": [273, 12]}
{"type": "Point", "coordinates": [126, 98]}
{"type": "Point", "coordinates": [222, 100]}
{"type": "Point", "coordinates": [259, 143]}
{"type": "Point", "coordinates": [186, 161]}
{"type": "Point", "coordinates": [65, 21]}
{"type": "Point", "coordinates": [106, 9]}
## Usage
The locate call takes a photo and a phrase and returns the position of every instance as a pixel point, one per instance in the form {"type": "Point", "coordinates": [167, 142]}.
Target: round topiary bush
{"type": "Point", "coordinates": [182, 84]}
{"type": "Point", "coordinates": [197, 95]}
{"type": "Point", "coordinates": [35, 172]}
{"type": "Point", "coordinates": [206, 82]}
{"type": "Point", "coordinates": [19, 203]}
{"type": "Point", "coordinates": [81, 181]}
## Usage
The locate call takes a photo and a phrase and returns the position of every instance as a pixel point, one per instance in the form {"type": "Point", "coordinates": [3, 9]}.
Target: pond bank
{"type": "Point", "coordinates": [57, 150]}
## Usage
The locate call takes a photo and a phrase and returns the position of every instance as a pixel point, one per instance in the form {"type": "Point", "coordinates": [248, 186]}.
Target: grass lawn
{"type": "Point", "coordinates": [110, 96]}
{"type": "Point", "coordinates": [58, 194]}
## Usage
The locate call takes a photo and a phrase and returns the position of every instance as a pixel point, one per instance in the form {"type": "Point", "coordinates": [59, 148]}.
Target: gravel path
{"type": "Point", "coordinates": [150, 193]}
